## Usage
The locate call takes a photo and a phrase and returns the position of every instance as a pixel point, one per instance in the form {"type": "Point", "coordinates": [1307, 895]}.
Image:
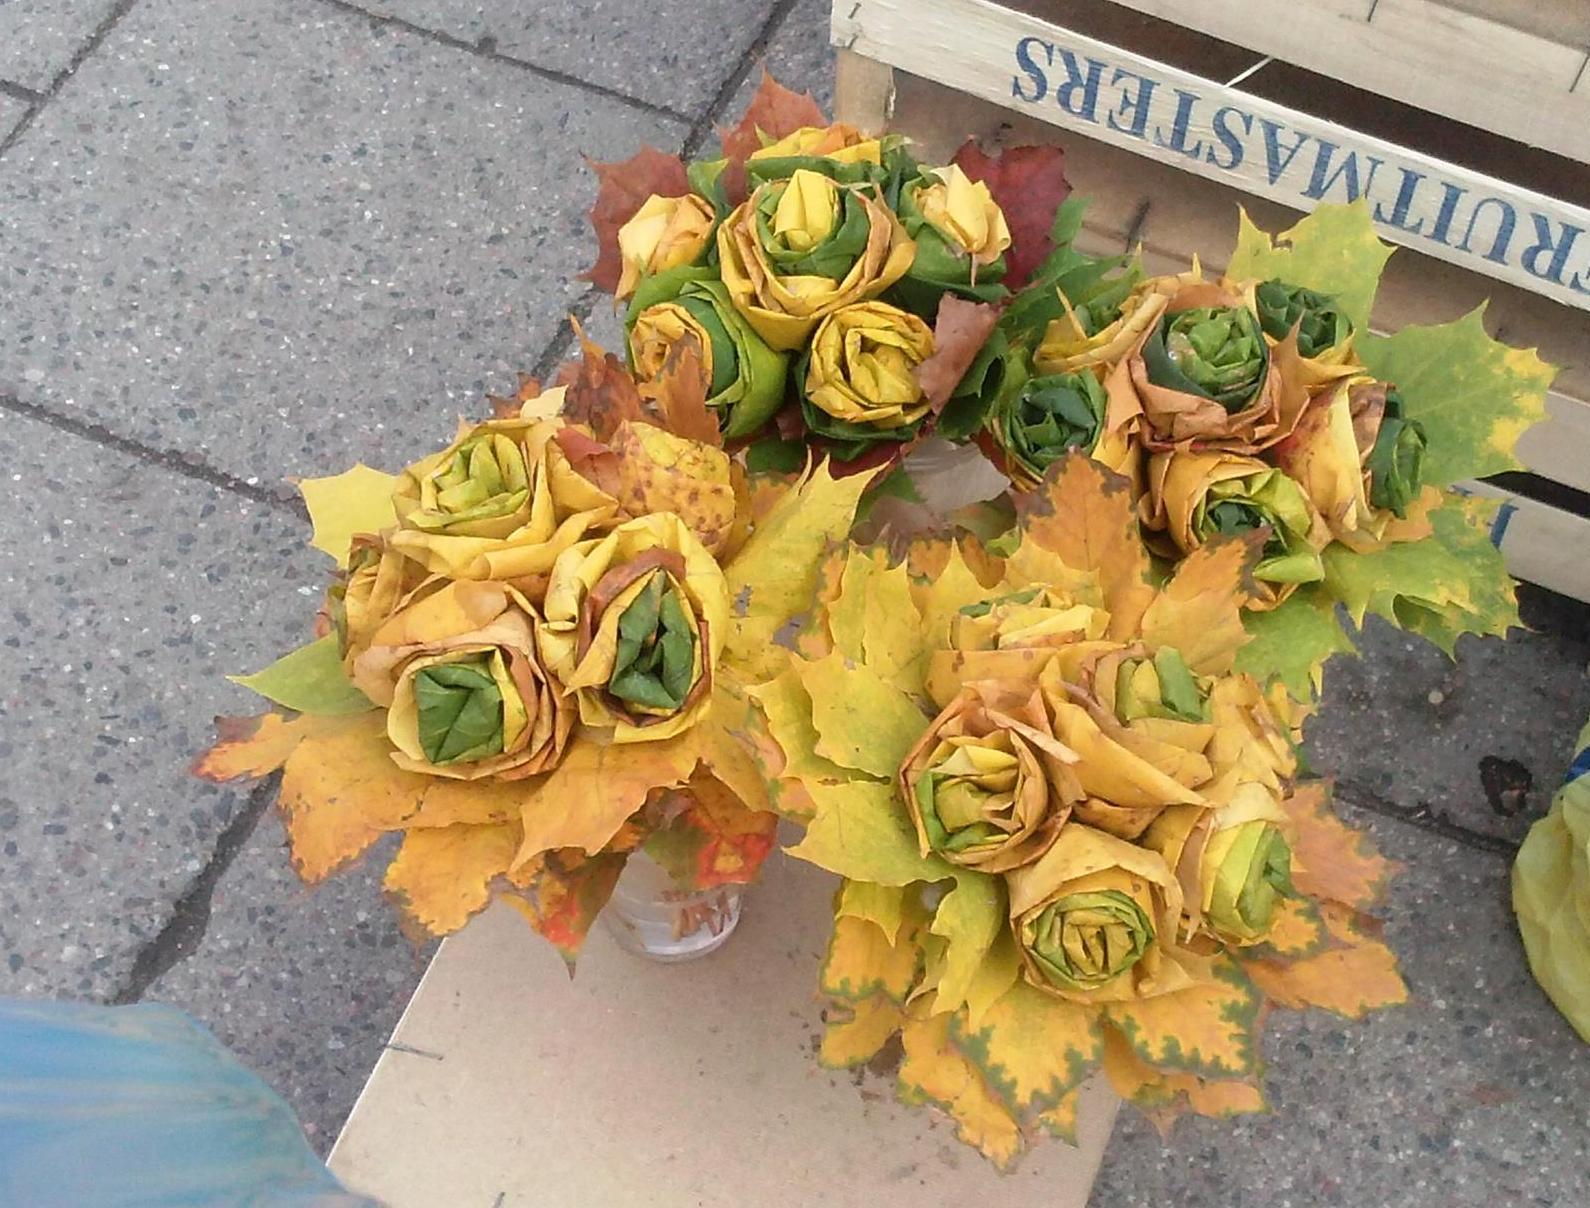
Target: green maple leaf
{"type": "Point", "coordinates": [1292, 642]}
{"type": "Point", "coordinates": [1474, 395]}
{"type": "Point", "coordinates": [1333, 250]}
{"type": "Point", "coordinates": [1451, 583]}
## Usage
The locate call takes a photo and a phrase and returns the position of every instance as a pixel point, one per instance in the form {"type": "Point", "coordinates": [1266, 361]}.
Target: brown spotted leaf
{"type": "Point", "coordinates": [601, 391]}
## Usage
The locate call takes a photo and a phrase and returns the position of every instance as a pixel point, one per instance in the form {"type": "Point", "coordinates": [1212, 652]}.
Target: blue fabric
{"type": "Point", "coordinates": [116, 1107]}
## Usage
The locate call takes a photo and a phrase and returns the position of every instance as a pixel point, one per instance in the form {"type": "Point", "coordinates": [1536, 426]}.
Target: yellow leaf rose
{"type": "Point", "coordinates": [635, 622]}
{"type": "Point", "coordinates": [839, 142]}
{"type": "Point", "coordinates": [799, 249]}
{"type": "Point", "coordinates": [665, 233]}
{"type": "Point", "coordinates": [964, 212]}
{"type": "Point", "coordinates": [461, 678]}
{"type": "Point", "coordinates": [862, 371]}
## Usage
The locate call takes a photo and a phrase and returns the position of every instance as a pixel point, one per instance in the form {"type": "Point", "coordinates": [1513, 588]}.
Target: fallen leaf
{"type": "Point", "coordinates": [622, 188]}
{"type": "Point", "coordinates": [959, 333]}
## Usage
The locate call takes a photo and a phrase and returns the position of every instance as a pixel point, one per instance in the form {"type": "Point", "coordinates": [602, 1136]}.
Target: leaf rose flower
{"type": "Point", "coordinates": [1011, 638]}
{"type": "Point", "coordinates": [1104, 319]}
{"type": "Point", "coordinates": [837, 143]}
{"type": "Point", "coordinates": [635, 622]}
{"type": "Point", "coordinates": [1206, 377]}
{"type": "Point", "coordinates": [1035, 420]}
{"type": "Point", "coordinates": [665, 233]}
{"type": "Point", "coordinates": [859, 378]}
{"type": "Point", "coordinates": [1325, 335]}
{"type": "Point", "coordinates": [960, 235]}
{"type": "Point", "coordinates": [1193, 497]}
{"type": "Point", "coordinates": [980, 784]}
{"type": "Point", "coordinates": [799, 249]}
{"type": "Point", "coordinates": [465, 690]}
{"type": "Point", "coordinates": [378, 580]}
{"type": "Point", "coordinates": [1234, 863]}
{"type": "Point", "coordinates": [1095, 920]}
{"type": "Point", "coordinates": [745, 378]}
{"type": "Point", "coordinates": [498, 503]}
{"type": "Point", "coordinates": [1395, 460]}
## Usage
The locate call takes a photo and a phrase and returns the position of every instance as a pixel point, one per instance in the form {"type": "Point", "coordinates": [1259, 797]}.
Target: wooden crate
{"type": "Point", "coordinates": [1141, 94]}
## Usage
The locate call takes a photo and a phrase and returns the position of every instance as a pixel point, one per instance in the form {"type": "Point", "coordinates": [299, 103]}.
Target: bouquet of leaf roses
{"type": "Point", "coordinates": [1259, 401]}
{"type": "Point", "coordinates": [839, 292]}
{"type": "Point", "coordinates": [534, 655]}
{"type": "Point", "coordinates": [1072, 837]}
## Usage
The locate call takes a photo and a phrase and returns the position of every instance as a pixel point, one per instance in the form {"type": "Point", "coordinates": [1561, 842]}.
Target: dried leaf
{"type": "Point", "coordinates": [773, 112]}
{"type": "Point", "coordinates": [441, 876]}
{"type": "Point", "coordinates": [600, 392]}
{"type": "Point", "coordinates": [959, 333]}
{"type": "Point", "coordinates": [622, 188]}
{"type": "Point", "coordinates": [969, 919]}
{"type": "Point", "coordinates": [1163, 1096]}
{"type": "Point", "coordinates": [882, 905]}
{"type": "Point", "coordinates": [1351, 980]}
{"type": "Point", "coordinates": [717, 840]}
{"type": "Point", "coordinates": [1035, 1049]}
{"type": "Point", "coordinates": [874, 619]}
{"type": "Point", "coordinates": [561, 897]}
{"type": "Point", "coordinates": [936, 1071]}
{"type": "Point", "coordinates": [1028, 184]}
{"type": "Point", "coordinates": [679, 397]}
{"type": "Point", "coordinates": [247, 748]}
{"type": "Point", "coordinates": [1208, 1029]}
{"type": "Point", "coordinates": [1330, 859]}
{"type": "Point", "coordinates": [359, 500]}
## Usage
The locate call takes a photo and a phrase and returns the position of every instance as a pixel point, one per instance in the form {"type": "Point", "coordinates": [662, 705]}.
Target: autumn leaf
{"type": "Point", "coordinates": [1293, 642]}
{"type": "Point", "coordinates": [1330, 859]}
{"type": "Point", "coordinates": [1079, 532]}
{"type": "Point", "coordinates": [442, 876]}
{"type": "Point", "coordinates": [862, 961]}
{"type": "Point", "coordinates": [873, 618]}
{"type": "Point", "coordinates": [600, 392]}
{"type": "Point", "coordinates": [622, 188]}
{"type": "Point", "coordinates": [861, 831]}
{"type": "Point", "coordinates": [772, 578]}
{"type": "Point", "coordinates": [716, 840]}
{"type": "Point", "coordinates": [882, 905]}
{"type": "Point", "coordinates": [855, 1032]}
{"type": "Point", "coordinates": [1035, 1049]}
{"type": "Point", "coordinates": [787, 708]}
{"type": "Point", "coordinates": [1452, 583]}
{"type": "Point", "coordinates": [1474, 395]}
{"type": "Point", "coordinates": [936, 1071]}
{"type": "Point", "coordinates": [1296, 930]}
{"type": "Point", "coordinates": [247, 748]}
{"type": "Point", "coordinates": [774, 112]}
{"type": "Point", "coordinates": [562, 893]}
{"type": "Point", "coordinates": [959, 333]}
{"type": "Point", "coordinates": [585, 799]}
{"type": "Point", "coordinates": [863, 721]}
{"type": "Point", "coordinates": [1163, 1096]}
{"type": "Point", "coordinates": [1028, 184]}
{"type": "Point", "coordinates": [1350, 980]}
{"type": "Point", "coordinates": [1333, 250]}
{"type": "Point", "coordinates": [1208, 1029]}
{"type": "Point", "coordinates": [509, 406]}
{"type": "Point", "coordinates": [359, 500]}
{"type": "Point", "coordinates": [1199, 611]}
{"type": "Point", "coordinates": [969, 918]}
{"type": "Point", "coordinates": [679, 397]}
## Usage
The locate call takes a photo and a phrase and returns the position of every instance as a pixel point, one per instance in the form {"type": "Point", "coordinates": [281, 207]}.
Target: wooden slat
{"type": "Point", "coordinates": [1477, 66]}
{"type": "Point", "coordinates": [1174, 216]}
{"type": "Point", "coordinates": [1266, 149]}
{"type": "Point", "coordinates": [1542, 544]}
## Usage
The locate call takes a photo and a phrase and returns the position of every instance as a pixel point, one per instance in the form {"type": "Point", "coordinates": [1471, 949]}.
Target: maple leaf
{"type": "Point", "coordinates": [1163, 1095]}
{"type": "Point", "coordinates": [359, 500]}
{"type": "Point", "coordinates": [600, 392]}
{"type": "Point", "coordinates": [1474, 395]}
{"type": "Point", "coordinates": [1334, 250]}
{"type": "Point", "coordinates": [863, 961]}
{"type": "Point", "coordinates": [678, 396]}
{"type": "Point", "coordinates": [622, 188]}
{"type": "Point", "coordinates": [1209, 1029]}
{"type": "Point", "coordinates": [1028, 184]}
{"type": "Point", "coordinates": [442, 876]}
{"type": "Point", "coordinates": [714, 839]}
{"type": "Point", "coordinates": [1292, 643]}
{"type": "Point", "coordinates": [509, 407]}
{"type": "Point", "coordinates": [1330, 859]}
{"type": "Point", "coordinates": [1033, 1048]}
{"type": "Point", "coordinates": [854, 1033]}
{"type": "Point", "coordinates": [561, 894]}
{"type": "Point", "coordinates": [937, 1071]}
{"type": "Point", "coordinates": [1354, 977]}
{"type": "Point", "coordinates": [1199, 610]}
{"type": "Point", "coordinates": [773, 112]}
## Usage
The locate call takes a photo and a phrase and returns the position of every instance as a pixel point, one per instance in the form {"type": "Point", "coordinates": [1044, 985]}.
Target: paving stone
{"type": "Point", "coordinates": [305, 986]}
{"type": "Point", "coordinates": [1473, 1095]}
{"type": "Point", "coordinates": [673, 53]}
{"type": "Point", "coordinates": [11, 111]}
{"type": "Point", "coordinates": [286, 238]}
{"type": "Point", "coordinates": [127, 593]}
{"type": "Point", "coordinates": [798, 55]}
{"type": "Point", "coordinates": [39, 37]}
{"type": "Point", "coordinates": [1411, 726]}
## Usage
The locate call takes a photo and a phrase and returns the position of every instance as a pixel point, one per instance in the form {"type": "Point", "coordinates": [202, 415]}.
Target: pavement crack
{"type": "Point", "coordinates": [39, 99]}
{"type": "Point", "coordinates": [190, 918]}
{"type": "Point", "coordinates": [1425, 818]}
{"type": "Point", "coordinates": [702, 126]}
{"type": "Point", "coordinates": [184, 464]}
{"type": "Point", "coordinates": [485, 47]}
